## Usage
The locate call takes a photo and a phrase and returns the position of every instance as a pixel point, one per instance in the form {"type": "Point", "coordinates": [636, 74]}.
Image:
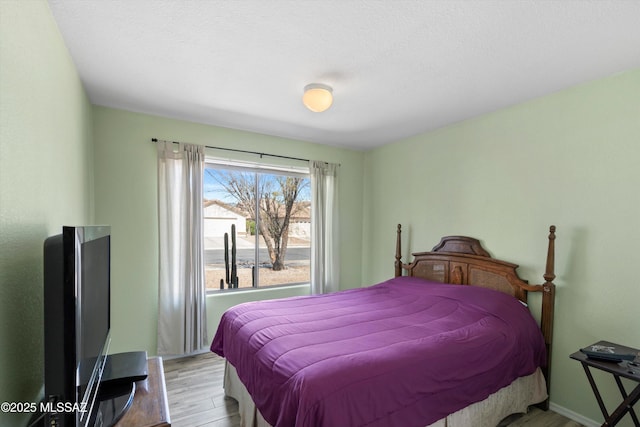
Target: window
{"type": "Point", "coordinates": [257, 225]}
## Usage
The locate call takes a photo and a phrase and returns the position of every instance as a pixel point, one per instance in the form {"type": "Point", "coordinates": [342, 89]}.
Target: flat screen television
{"type": "Point", "coordinates": [77, 307]}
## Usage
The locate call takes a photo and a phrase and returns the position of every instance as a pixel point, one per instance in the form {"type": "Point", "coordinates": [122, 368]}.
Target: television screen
{"type": "Point", "coordinates": [77, 320]}
{"type": "Point", "coordinates": [93, 304]}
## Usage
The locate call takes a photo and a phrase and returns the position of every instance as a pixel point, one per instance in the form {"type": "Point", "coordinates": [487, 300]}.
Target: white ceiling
{"type": "Point", "coordinates": [397, 68]}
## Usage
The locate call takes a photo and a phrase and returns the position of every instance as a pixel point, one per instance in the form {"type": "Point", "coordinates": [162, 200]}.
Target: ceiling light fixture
{"type": "Point", "coordinates": [317, 97]}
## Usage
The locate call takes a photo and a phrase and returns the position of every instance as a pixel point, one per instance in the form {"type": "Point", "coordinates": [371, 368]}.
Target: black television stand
{"type": "Point", "coordinates": [113, 403]}
{"type": "Point", "coordinates": [124, 368]}
{"type": "Point", "coordinates": [150, 406]}
{"type": "Point", "coordinates": [118, 385]}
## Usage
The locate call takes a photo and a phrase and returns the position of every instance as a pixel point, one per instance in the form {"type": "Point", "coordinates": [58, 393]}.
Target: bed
{"type": "Point", "coordinates": [410, 351]}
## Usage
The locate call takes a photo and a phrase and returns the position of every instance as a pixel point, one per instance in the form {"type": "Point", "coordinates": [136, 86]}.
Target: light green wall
{"type": "Point", "coordinates": [569, 159]}
{"type": "Point", "coordinates": [126, 198]}
{"type": "Point", "coordinates": [45, 181]}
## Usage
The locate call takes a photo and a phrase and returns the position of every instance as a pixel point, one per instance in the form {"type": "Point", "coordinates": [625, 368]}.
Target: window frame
{"type": "Point", "coordinates": [258, 167]}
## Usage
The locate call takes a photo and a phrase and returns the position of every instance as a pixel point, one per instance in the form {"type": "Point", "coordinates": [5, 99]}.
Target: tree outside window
{"type": "Point", "coordinates": [257, 228]}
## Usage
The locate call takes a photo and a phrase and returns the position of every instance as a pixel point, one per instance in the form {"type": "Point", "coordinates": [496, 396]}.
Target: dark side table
{"type": "Point", "coordinates": [626, 369]}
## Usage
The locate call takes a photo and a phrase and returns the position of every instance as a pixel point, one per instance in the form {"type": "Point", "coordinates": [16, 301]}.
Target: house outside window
{"type": "Point", "coordinates": [257, 225]}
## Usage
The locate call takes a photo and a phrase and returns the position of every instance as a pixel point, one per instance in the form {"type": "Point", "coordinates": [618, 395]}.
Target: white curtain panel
{"type": "Point", "coordinates": [325, 254]}
{"type": "Point", "coordinates": [182, 294]}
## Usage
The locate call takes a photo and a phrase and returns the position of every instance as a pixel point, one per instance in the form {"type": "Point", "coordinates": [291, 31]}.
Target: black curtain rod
{"type": "Point", "coordinates": [239, 151]}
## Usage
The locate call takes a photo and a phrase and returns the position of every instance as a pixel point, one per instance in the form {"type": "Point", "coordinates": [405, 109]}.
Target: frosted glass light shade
{"type": "Point", "coordinates": [317, 97]}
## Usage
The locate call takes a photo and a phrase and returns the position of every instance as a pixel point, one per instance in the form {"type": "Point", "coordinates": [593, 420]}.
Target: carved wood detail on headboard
{"type": "Point", "coordinates": [461, 245]}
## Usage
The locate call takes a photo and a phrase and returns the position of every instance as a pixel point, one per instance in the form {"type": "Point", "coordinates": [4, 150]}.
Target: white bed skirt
{"type": "Point", "coordinates": [513, 399]}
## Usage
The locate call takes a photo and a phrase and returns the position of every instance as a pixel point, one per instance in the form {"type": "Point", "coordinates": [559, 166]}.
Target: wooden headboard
{"type": "Point", "coordinates": [461, 260]}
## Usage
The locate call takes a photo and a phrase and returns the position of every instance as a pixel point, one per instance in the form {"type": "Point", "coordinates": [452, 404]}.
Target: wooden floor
{"type": "Point", "coordinates": [196, 397]}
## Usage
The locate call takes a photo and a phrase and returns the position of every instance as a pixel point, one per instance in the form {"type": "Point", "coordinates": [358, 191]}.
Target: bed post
{"type": "Point", "coordinates": [548, 297]}
{"type": "Point", "coordinates": [398, 263]}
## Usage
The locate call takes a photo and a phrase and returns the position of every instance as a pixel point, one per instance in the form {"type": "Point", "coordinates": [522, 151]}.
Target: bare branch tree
{"type": "Point", "coordinates": [278, 195]}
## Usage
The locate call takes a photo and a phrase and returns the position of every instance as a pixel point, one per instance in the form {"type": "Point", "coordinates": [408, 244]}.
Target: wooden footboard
{"type": "Point", "coordinates": [462, 260]}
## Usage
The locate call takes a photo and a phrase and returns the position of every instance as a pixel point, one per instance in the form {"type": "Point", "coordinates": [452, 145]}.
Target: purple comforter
{"type": "Point", "coordinates": [400, 353]}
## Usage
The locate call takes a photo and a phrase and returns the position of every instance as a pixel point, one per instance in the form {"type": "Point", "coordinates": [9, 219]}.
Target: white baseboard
{"type": "Point", "coordinates": [587, 422]}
